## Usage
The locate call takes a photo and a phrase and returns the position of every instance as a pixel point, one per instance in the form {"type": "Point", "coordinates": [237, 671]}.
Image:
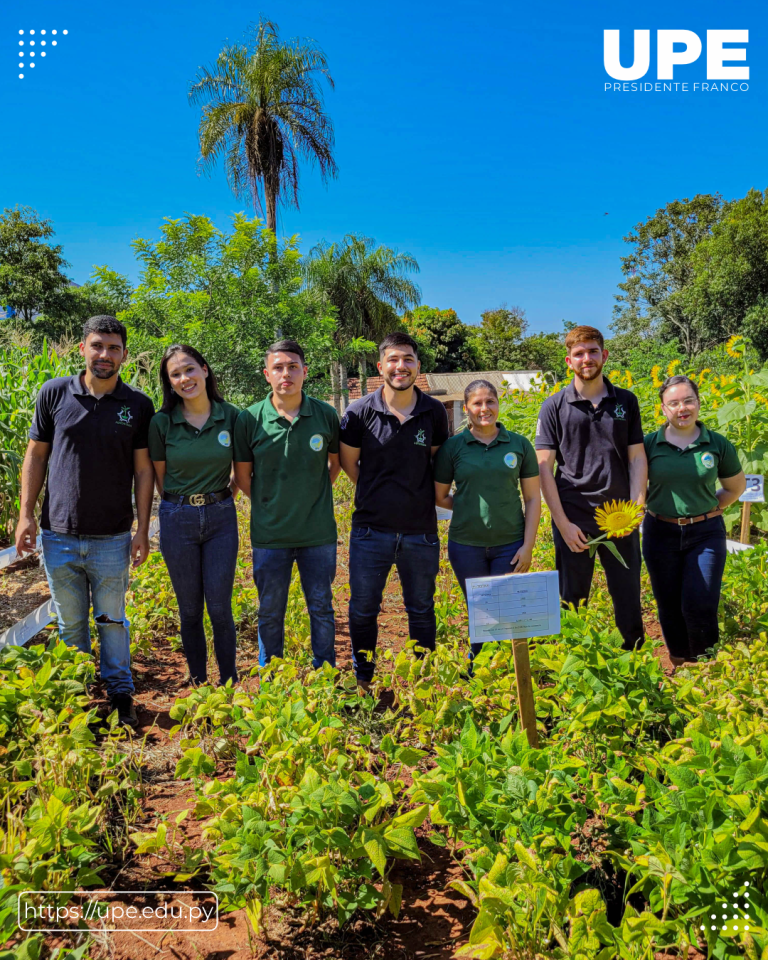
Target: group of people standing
{"type": "Point", "coordinates": [97, 440]}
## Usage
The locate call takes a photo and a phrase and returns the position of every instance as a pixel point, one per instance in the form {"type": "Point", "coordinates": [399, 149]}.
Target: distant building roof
{"type": "Point", "coordinates": [451, 386]}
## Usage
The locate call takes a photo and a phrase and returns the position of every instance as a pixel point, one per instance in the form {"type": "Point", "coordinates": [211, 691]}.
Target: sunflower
{"type": "Point", "coordinates": [619, 518]}
{"type": "Point", "coordinates": [735, 346]}
{"type": "Point", "coordinates": [672, 367]}
{"type": "Point", "coordinates": [655, 374]}
{"type": "Point", "coordinates": [628, 378]}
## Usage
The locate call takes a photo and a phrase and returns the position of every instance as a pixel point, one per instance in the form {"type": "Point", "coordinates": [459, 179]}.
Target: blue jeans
{"type": "Point", "coordinates": [470, 562]}
{"type": "Point", "coordinates": [272, 570]}
{"type": "Point", "coordinates": [371, 555]}
{"type": "Point", "coordinates": [85, 570]}
{"type": "Point", "coordinates": [199, 546]}
{"type": "Point", "coordinates": [686, 566]}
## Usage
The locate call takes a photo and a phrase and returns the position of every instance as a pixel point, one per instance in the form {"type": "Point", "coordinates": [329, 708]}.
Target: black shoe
{"type": "Point", "coordinates": [126, 712]}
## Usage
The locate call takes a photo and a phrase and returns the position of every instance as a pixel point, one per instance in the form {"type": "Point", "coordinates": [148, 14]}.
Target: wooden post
{"type": "Point", "coordinates": [524, 685]}
{"type": "Point", "coordinates": [745, 508]}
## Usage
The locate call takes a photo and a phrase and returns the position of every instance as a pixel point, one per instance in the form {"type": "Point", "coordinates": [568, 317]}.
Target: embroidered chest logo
{"type": "Point", "coordinates": [316, 442]}
{"type": "Point", "coordinates": [224, 438]}
{"type": "Point", "coordinates": [421, 438]}
{"type": "Point", "coordinates": [125, 416]}
{"type": "Point", "coordinates": [619, 413]}
{"type": "Point", "coordinates": [511, 460]}
{"type": "Point", "coordinates": [707, 460]}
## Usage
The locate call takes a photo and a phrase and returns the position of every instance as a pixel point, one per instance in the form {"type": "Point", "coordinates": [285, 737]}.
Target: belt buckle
{"type": "Point", "coordinates": [197, 500]}
{"type": "Point", "coordinates": [684, 521]}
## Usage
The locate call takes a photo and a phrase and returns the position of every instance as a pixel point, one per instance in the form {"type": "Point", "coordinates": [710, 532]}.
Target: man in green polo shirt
{"type": "Point", "coordinates": [286, 461]}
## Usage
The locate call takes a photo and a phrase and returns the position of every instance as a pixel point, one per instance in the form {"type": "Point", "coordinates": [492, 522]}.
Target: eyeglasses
{"type": "Point", "coordinates": [676, 404]}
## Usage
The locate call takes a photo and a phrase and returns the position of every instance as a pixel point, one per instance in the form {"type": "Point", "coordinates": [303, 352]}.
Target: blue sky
{"type": "Point", "coordinates": [480, 140]}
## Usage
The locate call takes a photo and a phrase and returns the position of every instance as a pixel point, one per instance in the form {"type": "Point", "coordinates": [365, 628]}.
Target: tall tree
{"type": "Point", "coordinates": [32, 279]}
{"type": "Point", "coordinates": [263, 111]}
{"type": "Point", "coordinates": [729, 293]}
{"type": "Point", "coordinates": [448, 340]}
{"type": "Point", "coordinates": [660, 268]}
{"type": "Point", "coordinates": [499, 338]}
{"type": "Point", "coordinates": [368, 285]}
{"type": "Point", "coordinates": [226, 292]}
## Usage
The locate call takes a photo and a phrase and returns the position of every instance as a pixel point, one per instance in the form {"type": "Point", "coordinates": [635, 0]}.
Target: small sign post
{"type": "Point", "coordinates": [524, 684]}
{"type": "Point", "coordinates": [755, 493]}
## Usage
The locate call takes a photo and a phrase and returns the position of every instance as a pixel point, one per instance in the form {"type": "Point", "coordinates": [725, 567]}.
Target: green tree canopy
{"type": "Point", "coordinates": [366, 285]}
{"type": "Point", "coordinates": [729, 292]}
{"type": "Point", "coordinates": [263, 112]}
{"type": "Point", "coordinates": [652, 301]}
{"type": "Point", "coordinates": [32, 278]}
{"type": "Point", "coordinates": [230, 294]}
{"type": "Point", "coordinates": [448, 341]}
{"type": "Point", "coordinates": [499, 337]}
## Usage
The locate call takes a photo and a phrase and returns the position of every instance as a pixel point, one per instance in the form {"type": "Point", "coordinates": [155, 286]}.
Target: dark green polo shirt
{"type": "Point", "coordinates": [196, 461]}
{"type": "Point", "coordinates": [487, 509]}
{"type": "Point", "coordinates": [682, 483]}
{"type": "Point", "coordinates": [291, 500]}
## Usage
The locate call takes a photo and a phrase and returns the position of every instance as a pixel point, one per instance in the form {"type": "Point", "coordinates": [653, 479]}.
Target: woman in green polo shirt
{"type": "Point", "coordinates": [191, 445]}
{"type": "Point", "coordinates": [683, 530]}
{"type": "Point", "coordinates": [490, 532]}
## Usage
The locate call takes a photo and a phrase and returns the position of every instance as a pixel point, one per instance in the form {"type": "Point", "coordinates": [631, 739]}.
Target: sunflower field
{"type": "Point", "coordinates": [734, 403]}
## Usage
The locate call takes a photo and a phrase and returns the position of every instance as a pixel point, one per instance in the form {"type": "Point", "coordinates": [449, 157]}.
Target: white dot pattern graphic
{"type": "Point", "coordinates": [23, 54]}
{"type": "Point", "coordinates": [735, 906]}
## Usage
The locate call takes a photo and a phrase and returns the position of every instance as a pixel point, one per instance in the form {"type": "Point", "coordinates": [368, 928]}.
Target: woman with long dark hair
{"type": "Point", "coordinates": [693, 475]}
{"type": "Point", "coordinates": [191, 446]}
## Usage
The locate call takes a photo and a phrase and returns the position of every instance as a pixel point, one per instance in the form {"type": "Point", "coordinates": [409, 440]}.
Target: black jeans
{"type": "Point", "coordinates": [686, 566]}
{"type": "Point", "coordinates": [199, 546]}
{"type": "Point", "coordinates": [575, 574]}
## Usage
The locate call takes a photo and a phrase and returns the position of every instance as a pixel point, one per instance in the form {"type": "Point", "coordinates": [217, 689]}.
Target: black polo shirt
{"type": "Point", "coordinates": [592, 448]}
{"type": "Point", "coordinates": [395, 490]}
{"type": "Point", "coordinates": [90, 470]}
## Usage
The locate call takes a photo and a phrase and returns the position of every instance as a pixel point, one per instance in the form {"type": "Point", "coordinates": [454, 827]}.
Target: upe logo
{"type": "Point", "coordinates": [689, 47]}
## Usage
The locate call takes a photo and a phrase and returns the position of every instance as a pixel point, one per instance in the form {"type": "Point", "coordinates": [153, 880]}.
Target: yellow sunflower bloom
{"type": "Point", "coordinates": [628, 378]}
{"type": "Point", "coordinates": [672, 367]}
{"type": "Point", "coordinates": [619, 518]}
{"type": "Point", "coordinates": [703, 374]}
{"type": "Point", "coordinates": [735, 346]}
{"type": "Point", "coordinates": [655, 375]}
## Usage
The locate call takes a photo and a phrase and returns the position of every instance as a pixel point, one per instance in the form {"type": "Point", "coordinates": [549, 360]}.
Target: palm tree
{"type": "Point", "coordinates": [262, 111]}
{"type": "Point", "coordinates": [368, 286]}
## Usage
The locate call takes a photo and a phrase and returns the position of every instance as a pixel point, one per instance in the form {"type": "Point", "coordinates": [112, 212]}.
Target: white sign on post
{"type": "Point", "coordinates": [755, 492]}
{"type": "Point", "coordinates": [512, 607]}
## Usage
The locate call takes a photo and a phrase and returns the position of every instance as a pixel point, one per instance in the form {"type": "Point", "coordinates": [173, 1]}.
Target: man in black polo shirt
{"type": "Point", "coordinates": [90, 433]}
{"type": "Point", "coordinates": [593, 431]}
{"type": "Point", "coordinates": [388, 439]}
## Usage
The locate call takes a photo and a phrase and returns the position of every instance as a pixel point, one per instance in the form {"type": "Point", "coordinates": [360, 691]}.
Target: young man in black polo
{"type": "Point", "coordinates": [592, 430]}
{"type": "Point", "coordinates": [388, 439]}
{"type": "Point", "coordinates": [89, 434]}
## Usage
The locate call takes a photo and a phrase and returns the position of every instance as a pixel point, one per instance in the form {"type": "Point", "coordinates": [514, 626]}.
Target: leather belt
{"type": "Point", "coordinates": [198, 499]}
{"type": "Point", "coordinates": [685, 521]}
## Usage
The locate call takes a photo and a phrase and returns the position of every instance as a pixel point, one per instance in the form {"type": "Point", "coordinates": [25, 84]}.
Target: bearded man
{"type": "Point", "coordinates": [90, 436]}
{"type": "Point", "coordinates": [592, 430]}
{"type": "Point", "coordinates": [387, 442]}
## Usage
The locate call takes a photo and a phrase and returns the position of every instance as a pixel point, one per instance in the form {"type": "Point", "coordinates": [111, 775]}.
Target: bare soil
{"type": "Point", "coordinates": [434, 919]}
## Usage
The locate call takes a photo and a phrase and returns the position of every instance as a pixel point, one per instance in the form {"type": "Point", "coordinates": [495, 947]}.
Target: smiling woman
{"type": "Point", "coordinates": [190, 442]}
